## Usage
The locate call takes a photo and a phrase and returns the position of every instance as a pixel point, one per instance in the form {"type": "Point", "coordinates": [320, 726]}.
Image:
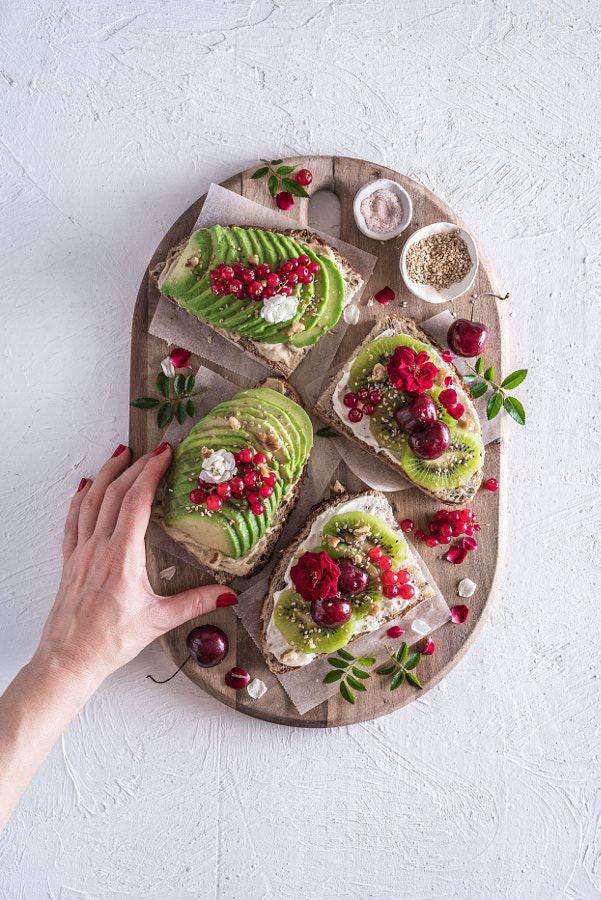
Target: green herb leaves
{"type": "Point", "coordinates": [499, 398]}
{"type": "Point", "coordinates": [350, 672]}
{"type": "Point", "coordinates": [180, 406]}
{"type": "Point", "coordinates": [278, 180]}
{"type": "Point", "coordinates": [402, 667]}
{"type": "Point", "coordinates": [327, 432]}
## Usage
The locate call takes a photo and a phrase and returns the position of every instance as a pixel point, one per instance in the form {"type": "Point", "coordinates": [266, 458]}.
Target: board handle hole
{"type": "Point", "coordinates": [324, 212]}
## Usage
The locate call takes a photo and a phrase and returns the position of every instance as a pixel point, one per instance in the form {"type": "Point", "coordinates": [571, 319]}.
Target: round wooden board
{"type": "Point", "coordinates": [344, 177]}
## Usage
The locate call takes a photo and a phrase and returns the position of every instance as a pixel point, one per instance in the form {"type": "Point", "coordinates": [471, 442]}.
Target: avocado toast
{"type": "Point", "coordinates": [272, 293]}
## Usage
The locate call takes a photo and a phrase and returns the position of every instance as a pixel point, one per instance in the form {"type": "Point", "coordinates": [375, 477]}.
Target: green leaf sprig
{"type": "Point", "coordinates": [402, 667]}
{"type": "Point", "coordinates": [349, 672]}
{"type": "Point", "coordinates": [327, 432]}
{"type": "Point", "coordinates": [278, 178]}
{"type": "Point", "coordinates": [180, 405]}
{"type": "Point", "coordinates": [499, 397]}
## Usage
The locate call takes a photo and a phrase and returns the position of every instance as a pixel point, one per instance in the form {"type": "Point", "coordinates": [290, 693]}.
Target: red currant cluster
{"type": "Point", "coordinates": [445, 526]}
{"type": "Point", "coordinates": [394, 584]}
{"type": "Point", "coordinates": [362, 403]}
{"type": "Point", "coordinates": [255, 483]}
{"type": "Point", "coordinates": [261, 283]}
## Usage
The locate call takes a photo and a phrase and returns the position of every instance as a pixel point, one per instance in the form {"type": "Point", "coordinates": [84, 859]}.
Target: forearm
{"type": "Point", "coordinates": [34, 711]}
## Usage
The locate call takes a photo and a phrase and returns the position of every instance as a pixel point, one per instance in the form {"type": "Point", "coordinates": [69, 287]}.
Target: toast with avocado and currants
{"type": "Point", "coordinates": [399, 399]}
{"type": "Point", "coordinates": [272, 293]}
{"type": "Point", "coordinates": [235, 478]}
{"type": "Point", "coordinates": [349, 571]}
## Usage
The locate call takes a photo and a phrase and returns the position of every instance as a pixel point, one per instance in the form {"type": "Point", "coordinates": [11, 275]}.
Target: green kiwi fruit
{"type": "Point", "coordinates": [293, 619]}
{"type": "Point", "coordinates": [379, 351]}
{"type": "Point", "coordinates": [453, 468]}
{"type": "Point", "coordinates": [390, 542]}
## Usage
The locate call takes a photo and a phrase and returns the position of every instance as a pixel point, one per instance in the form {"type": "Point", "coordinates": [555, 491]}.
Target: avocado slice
{"type": "Point", "coordinates": [296, 412]}
{"type": "Point", "coordinates": [331, 310]}
{"type": "Point", "coordinates": [180, 279]}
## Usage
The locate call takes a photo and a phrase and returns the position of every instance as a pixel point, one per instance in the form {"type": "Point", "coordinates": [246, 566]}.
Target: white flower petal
{"type": "Point", "coordinates": [168, 367]}
{"type": "Point", "coordinates": [256, 688]}
{"type": "Point", "coordinates": [168, 573]}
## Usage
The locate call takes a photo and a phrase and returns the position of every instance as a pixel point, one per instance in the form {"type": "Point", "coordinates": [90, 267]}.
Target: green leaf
{"type": "Point", "coordinates": [493, 407]}
{"type": "Point", "coordinates": [327, 432]}
{"type": "Point", "coordinates": [344, 654]}
{"type": "Point", "coordinates": [178, 384]}
{"type": "Point", "coordinates": [365, 661]}
{"type": "Point", "coordinates": [402, 653]}
{"type": "Point", "coordinates": [479, 389]}
{"type": "Point", "coordinates": [180, 412]}
{"type": "Point", "coordinates": [414, 661]}
{"type": "Point", "coordinates": [286, 170]}
{"type": "Point", "coordinates": [189, 384]}
{"type": "Point", "coordinates": [260, 173]}
{"type": "Point", "coordinates": [515, 410]}
{"type": "Point", "coordinates": [339, 663]}
{"type": "Point", "coordinates": [163, 415]}
{"type": "Point", "coordinates": [469, 378]}
{"type": "Point", "coordinates": [145, 403]}
{"type": "Point", "coordinates": [411, 678]}
{"type": "Point", "coordinates": [360, 673]}
{"type": "Point", "coordinates": [275, 162]}
{"type": "Point", "coordinates": [490, 374]}
{"type": "Point", "coordinates": [514, 379]}
{"type": "Point", "coordinates": [479, 366]}
{"type": "Point", "coordinates": [397, 680]}
{"type": "Point", "coordinates": [273, 185]}
{"type": "Point", "coordinates": [388, 670]}
{"type": "Point", "coordinates": [346, 692]}
{"type": "Point", "coordinates": [163, 385]}
{"type": "Point", "coordinates": [332, 676]}
{"type": "Point", "coordinates": [355, 684]}
{"type": "Point", "coordinates": [294, 187]}
{"type": "Point", "coordinates": [190, 408]}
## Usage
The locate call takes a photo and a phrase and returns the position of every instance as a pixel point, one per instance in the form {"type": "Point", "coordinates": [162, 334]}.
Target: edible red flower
{"type": "Point", "coordinates": [411, 372]}
{"type": "Point", "coordinates": [448, 356]}
{"type": "Point", "coordinates": [315, 576]}
{"type": "Point", "coordinates": [429, 648]}
{"type": "Point", "coordinates": [284, 200]}
{"type": "Point", "coordinates": [395, 632]}
{"type": "Point", "coordinates": [448, 399]}
{"type": "Point", "coordinates": [180, 358]}
{"type": "Point", "coordinates": [469, 543]}
{"type": "Point", "coordinates": [459, 614]}
{"type": "Point", "coordinates": [386, 295]}
{"type": "Point", "coordinates": [456, 555]}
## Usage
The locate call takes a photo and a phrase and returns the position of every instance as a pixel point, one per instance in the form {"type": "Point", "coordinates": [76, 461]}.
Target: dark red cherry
{"type": "Point", "coordinates": [432, 441]}
{"type": "Point", "coordinates": [467, 338]}
{"type": "Point", "coordinates": [331, 613]}
{"type": "Point", "coordinates": [208, 645]}
{"type": "Point", "coordinates": [352, 579]}
{"type": "Point", "coordinates": [416, 414]}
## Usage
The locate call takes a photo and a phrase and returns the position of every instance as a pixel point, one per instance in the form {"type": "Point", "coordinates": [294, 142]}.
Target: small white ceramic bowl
{"type": "Point", "coordinates": [365, 191]}
{"type": "Point", "coordinates": [426, 291]}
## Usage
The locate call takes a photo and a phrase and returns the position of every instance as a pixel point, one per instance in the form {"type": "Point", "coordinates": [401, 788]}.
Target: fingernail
{"type": "Point", "coordinates": [82, 484]}
{"type": "Point", "coordinates": [226, 600]}
{"type": "Point", "coordinates": [161, 448]}
{"type": "Point", "coordinates": [119, 450]}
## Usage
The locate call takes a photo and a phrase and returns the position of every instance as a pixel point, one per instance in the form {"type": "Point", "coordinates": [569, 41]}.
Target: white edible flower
{"type": "Point", "coordinates": [420, 627]}
{"type": "Point", "coordinates": [279, 308]}
{"type": "Point", "coordinates": [218, 467]}
{"type": "Point", "coordinates": [256, 688]}
{"type": "Point", "coordinates": [351, 314]}
{"type": "Point", "coordinates": [466, 588]}
{"type": "Point", "coordinates": [168, 367]}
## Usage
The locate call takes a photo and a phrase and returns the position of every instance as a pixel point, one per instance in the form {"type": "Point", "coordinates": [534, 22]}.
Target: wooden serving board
{"type": "Point", "coordinates": [344, 177]}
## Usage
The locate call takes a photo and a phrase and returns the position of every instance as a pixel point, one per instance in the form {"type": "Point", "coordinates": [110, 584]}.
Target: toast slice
{"type": "Point", "coordinates": [235, 539]}
{"type": "Point", "coordinates": [282, 653]}
{"type": "Point", "coordinates": [184, 277]}
{"type": "Point", "coordinates": [455, 477]}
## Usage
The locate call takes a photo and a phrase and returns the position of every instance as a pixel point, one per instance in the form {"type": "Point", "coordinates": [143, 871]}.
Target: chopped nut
{"type": "Point", "coordinates": [253, 260]}
{"type": "Point", "coordinates": [290, 656]}
{"type": "Point", "coordinates": [379, 372]}
{"type": "Point", "coordinates": [270, 440]}
{"type": "Point", "coordinates": [295, 328]}
{"type": "Point", "coordinates": [359, 534]}
{"type": "Point", "coordinates": [264, 469]}
{"type": "Point", "coordinates": [192, 262]}
{"type": "Point", "coordinates": [466, 423]}
{"type": "Point", "coordinates": [357, 559]}
{"type": "Point", "coordinates": [206, 452]}
{"type": "Point", "coordinates": [312, 643]}
{"type": "Point", "coordinates": [333, 541]}
{"type": "Point", "coordinates": [338, 488]}
{"type": "Point", "coordinates": [374, 609]}
{"type": "Point", "coordinates": [235, 423]}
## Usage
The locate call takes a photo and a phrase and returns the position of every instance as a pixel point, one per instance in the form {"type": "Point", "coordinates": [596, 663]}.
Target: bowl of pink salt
{"type": "Point", "coordinates": [382, 209]}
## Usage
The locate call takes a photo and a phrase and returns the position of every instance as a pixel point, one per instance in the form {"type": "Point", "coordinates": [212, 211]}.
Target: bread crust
{"type": "Point", "coordinates": [290, 356]}
{"type": "Point", "coordinates": [277, 581]}
{"type": "Point", "coordinates": [324, 408]}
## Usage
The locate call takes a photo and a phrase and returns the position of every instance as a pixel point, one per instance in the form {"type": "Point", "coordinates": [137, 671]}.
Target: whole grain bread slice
{"type": "Point", "coordinates": [325, 409]}
{"type": "Point", "coordinates": [284, 358]}
{"type": "Point", "coordinates": [277, 582]}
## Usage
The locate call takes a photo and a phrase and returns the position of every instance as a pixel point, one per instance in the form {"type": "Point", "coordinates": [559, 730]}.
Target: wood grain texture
{"type": "Point", "coordinates": [343, 176]}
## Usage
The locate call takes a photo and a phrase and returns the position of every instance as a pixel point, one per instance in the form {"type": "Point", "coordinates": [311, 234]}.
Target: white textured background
{"type": "Point", "coordinates": [114, 116]}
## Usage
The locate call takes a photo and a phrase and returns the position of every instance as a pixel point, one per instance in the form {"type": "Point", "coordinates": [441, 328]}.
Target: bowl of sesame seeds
{"type": "Point", "coordinates": [439, 262]}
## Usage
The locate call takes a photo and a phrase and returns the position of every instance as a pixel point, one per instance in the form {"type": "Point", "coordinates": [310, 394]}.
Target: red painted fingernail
{"type": "Point", "coordinates": [226, 600]}
{"type": "Point", "coordinates": [161, 448]}
{"type": "Point", "coordinates": [82, 484]}
{"type": "Point", "coordinates": [119, 450]}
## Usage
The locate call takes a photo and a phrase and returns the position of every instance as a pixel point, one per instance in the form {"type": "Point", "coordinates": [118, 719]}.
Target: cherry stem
{"type": "Point", "coordinates": [171, 676]}
{"type": "Point", "coordinates": [476, 297]}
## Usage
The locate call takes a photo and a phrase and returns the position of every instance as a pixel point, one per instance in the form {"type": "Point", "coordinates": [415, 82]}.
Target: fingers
{"type": "Point", "coordinates": [195, 602]}
{"type": "Point", "coordinates": [114, 494]}
{"type": "Point", "coordinates": [134, 514]}
{"type": "Point", "coordinates": [70, 536]}
{"type": "Point", "coordinates": [90, 506]}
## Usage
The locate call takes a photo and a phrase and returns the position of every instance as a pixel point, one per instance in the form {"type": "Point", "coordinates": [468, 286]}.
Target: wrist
{"type": "Point", "coordinates": [75, 685]}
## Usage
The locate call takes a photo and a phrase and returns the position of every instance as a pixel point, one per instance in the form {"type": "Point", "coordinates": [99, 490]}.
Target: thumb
{"type": "Point", "coordinates": [195, 602]}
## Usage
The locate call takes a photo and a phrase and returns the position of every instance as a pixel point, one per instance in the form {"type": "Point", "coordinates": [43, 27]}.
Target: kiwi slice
{"type": "Point", "coordinates": [383, 425]}
{"type": "Point", "coordinates": [345, 524]}
{"type": "Point", "coordinates": [293, 619]}
{"type": "Point", "coordinates": [455, 467]}
{"type": "Point", "coordinates": [379, 351]}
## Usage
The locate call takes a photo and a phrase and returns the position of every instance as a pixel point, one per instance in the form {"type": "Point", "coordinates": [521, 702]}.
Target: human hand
{"type": "Point", "coordinates": [106, 611]}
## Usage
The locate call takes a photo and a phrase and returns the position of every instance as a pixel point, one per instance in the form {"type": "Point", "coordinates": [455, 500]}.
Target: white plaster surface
{"type": "Point", "coordinates": [113, 118]}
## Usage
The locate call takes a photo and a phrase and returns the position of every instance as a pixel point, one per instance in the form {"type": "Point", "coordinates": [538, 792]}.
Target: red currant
{"type": "Point", "coordinates": [466, 515]}
{"type": "Point", "coordinates": [235, 286]}
{"type": "Point", "coordinates": [444, 538]}
{"type": "Point", "coordinates": [403, 576]}
{"type": "Point", "coordinates": [375, 398]}
{"type": "Point", "coordinates": [492, 484]}
{"type": "Point", "coordinates": [273, 280]}
{"type": "Point", "coordinates": [385, 563]}
{"type": "Point", "coordinates": [431, 541]}
{"type": "Point", "coordinates": [218, 287]}
{"type": "Point", "coordinates": [284, 200]}
{"type": "Point", "coordinates": [407, 591]}
{"type": "Point", "coordinates": [458, 528]}
{"type": "Point", "coordinates": [293, 262]}
{"type": "Point", "coordinates": [265, 491]}
{"type": "Point", "coordinates": [252, 497]}
{"type": "Point", "coordinates": [304, 177]}
{"type": "Point", "coordinates": [292, 278]}
{"type": "Point", "coordinates": [262, 271]}
{"type": "Point", "coordinates": [302, 272]}
{"type": "Point", "coordinates": [250, 479]}
{"type": "Point", "coordinates": [355, 415]}
{"type": "Point", "coordinates": [287, 267]}
{"type": "Point", "coordinates": [469, 530]}
{"type": "Point", "coordinates": [215, 274]}
{"type": "Point", "coordinates": [407, 525]}
{"type": "Point", "coordinates": [389, 577]}
{"type": "Point", "coordinates": [246, 455]}
{"type": "Point", "coordinates": [214, 502]}
{"type": "Point", "coordinates": [434, 526]}
{"type": "Point", "coordinates": [224, 490]}
{"type": "Point", "coordinates": [237, 483]}
{"type": "Point", "coordinates": [286, 290]}
{"type": "Point", "coordinates": [313, 267]}
{"type": "Point", "coordinates": [259, 459]}
{"type": "Point", "coordinates": [374, 554]}
{"type": "Point", "coordinates": [446, 528]}
{"type": "Point", "coordinates": [227, 273]}
{"type": "Point", "coordinates": [442, 515]}
{"type": "Point", "coordinates": [255, 289]}
{"type": "Point", "coordinates": [303, 260]}
{"type": "Point", "coordinates": [198, 497]}
{"type": "Point", "coordinates": [270, 479]}
{"type": "Point", "coordinates": [369, 409]}
{"type": "Point", "coordinates": [419, 535]}
{"type": "Point", "coordinates": [238, 270]}
{"type": "Point", "coordinates": [454, 516]}
{"type": "Point", "coordinates": [363, 394]}
{"type": "Point", "coordinates": [350, 400]}
{"type": "Point", "coordinates": [268, 292]}
{"type": "Point", "coordinates": [257, 509]}
{"type": "Point", "coordinates": [390, 590]}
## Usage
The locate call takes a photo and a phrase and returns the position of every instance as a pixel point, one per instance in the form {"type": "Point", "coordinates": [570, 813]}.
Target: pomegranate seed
{"type": "Point", "coordinates": [235, 286]}
{"type": "Point", "coordinates": [270, 479]}
{"type": "Point", "coordinates": [407, 525]}
{"type": "Point", "coordinates": [386, 295]}
{"type": "Point", "coordinates": [389, 577]}
{"type": "Point", "coordinates": [252, 497]}
{"type": "Point", "coordinates": [224, 490]}
{"type": "Point", "coordinates": [350, 400]}
{"type": "Point", "coordinates": [466, 515]}
{"type": "Point", "coordinates": [434, 526]}
{"type": "Point", "coordinates": [214, 502]}
{"type": "Point", "coordinates": [363, 395]}
{"type": "Point", "coordinates": [237, 483]}
{"type": "Point", "coordinates": [403, 576]}
{"type": "Point", "coordinates": [395, 632]}
{"type": "Point", "coordinates": [375, 398]}
{"type": "Point", "coordinates": [456, 555]}
{"type": "Point", "coordinates": [390, 591]}
{"type": "Point", "coordinates": [250, 479]}
{"type": "Point", "coordinates": [369, 409]}
{"type": "Point", "coordinates": [255, 289]}
{"type": "Point", "coordinates": [313, 267]}
{"type": "Point", "coordinates": [237, 678]}
{"type": "Point", "coordinates": [355, 415]}
{"type": "Point", "coordinates": [431, 541]}
{"type": "Point", "coordinates": [257, 509]}
{"type": "Point", "coordinates": [227, 273]}
{"type": "Point", "coordinates": [469, 530]}
{"type": "Point", "coordinates": [384, 562]}
{"type": "Point", "coordinates": [303, 260]}
{"type": "Point", "coordinates": [304, 177]}
{"type": "Point", "coordinates": [284, 200]}
{"type": "Point", "coordinates": [292, 278]}
{"type": "Point", "coordinates": [492, 484]}
{"type": "Point", "coordinates": [469, 543]}
{"type": "Point", "coordinates": [419, 535]}
{"type": "Point", "coordinates": [246, 455]}
{"type": "Point", "coordinates": [454, 516]}
{"type": "Point", "coordinates": [374, 554]}
{"type": "Point", "coordinates": [273, 280]}
{"type": "Point", "coordinates": [407, 591]}
{"type": "Point", "coordinates": [265, 491]}
{"type": "Point", "coordinates": [198, 497]}
{"type": "Point", "coordinates": [442, 515]}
